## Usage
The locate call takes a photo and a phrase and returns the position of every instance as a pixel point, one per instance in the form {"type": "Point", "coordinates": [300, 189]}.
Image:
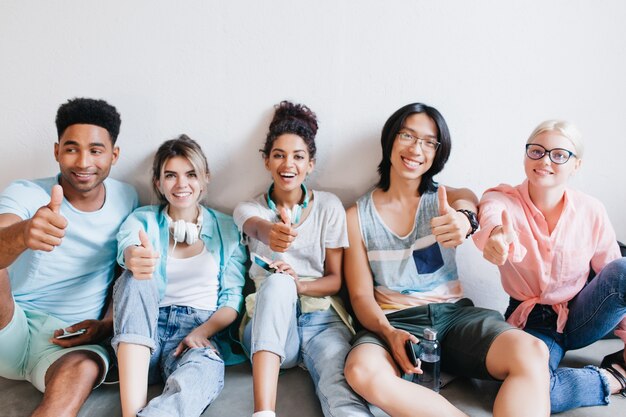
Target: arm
{"type": "Point", "coordinates": [199, 337]}
{"type": "Point", "coordinates": [361, 289]}
{"type": "Point", "coordinates": [329, 284]}
{"type": "Point", "coordinates": [278, 236]}
{"type": "Point", "coordinates": [44, 231]}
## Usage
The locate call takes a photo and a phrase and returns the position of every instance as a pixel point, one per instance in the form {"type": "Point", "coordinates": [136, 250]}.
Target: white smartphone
{"type": "Point", "coordinates": [262, 262]}
{"type": "Point", "coordinates": [67, 334]}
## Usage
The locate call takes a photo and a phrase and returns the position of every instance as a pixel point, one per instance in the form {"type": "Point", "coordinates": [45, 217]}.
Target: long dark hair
{"type": "Point", "coordinates": [388, 136]}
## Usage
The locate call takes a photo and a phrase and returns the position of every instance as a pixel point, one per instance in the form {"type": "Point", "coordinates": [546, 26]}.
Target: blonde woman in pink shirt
{"type": "Point", "coordinates": [545, 238]}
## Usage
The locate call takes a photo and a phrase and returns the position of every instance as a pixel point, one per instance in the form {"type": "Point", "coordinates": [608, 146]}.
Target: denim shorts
{"type": "Point", "coordinates": [26, 351]}
{"type": "Point", "coordinates": [464, 331]}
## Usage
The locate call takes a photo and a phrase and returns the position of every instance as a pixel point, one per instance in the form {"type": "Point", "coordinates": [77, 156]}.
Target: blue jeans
{"type": "Point", "coordinates": [319, 340]}
{"type": "Point", "coordinates": [192, 380]}
{"type": "Point", "coordinates": [593, 313]}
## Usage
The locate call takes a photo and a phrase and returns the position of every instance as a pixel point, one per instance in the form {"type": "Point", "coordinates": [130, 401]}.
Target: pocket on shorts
{"type": "Point", "coordinates": [428, 260]}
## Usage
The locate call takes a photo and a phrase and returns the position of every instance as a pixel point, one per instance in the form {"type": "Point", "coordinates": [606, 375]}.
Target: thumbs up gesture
{"type": "Point", "coordinates": [497, 247]}
{"type": "Point", "coordinates": [450, 227]}
{"type": "Point", "coordinates": [141, 259]}
{"type": "Point", "coordinates": [282, 234]}
{"type": "Point", "coordinates": [46, 229]}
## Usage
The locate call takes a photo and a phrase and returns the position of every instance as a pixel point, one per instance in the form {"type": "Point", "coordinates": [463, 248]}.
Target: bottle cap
{"type": "Point", "coordinates": [430, 334]}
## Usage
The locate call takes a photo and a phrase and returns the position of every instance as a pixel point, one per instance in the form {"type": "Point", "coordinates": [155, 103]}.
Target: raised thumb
{"type": "Point", "coordinates": [507, 227]}
{"type": "Point", "coordinates": [143, 238]}
{"type": "Point", "coordinates": [56, 198]}
{"type": "Point", "coordinates": [285, 216]}
{"type": "Point", "coordinates": [444, 207]}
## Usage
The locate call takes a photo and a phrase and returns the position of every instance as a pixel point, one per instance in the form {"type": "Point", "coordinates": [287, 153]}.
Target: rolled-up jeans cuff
{"type": "Point", "coordinates": [606, 386]}
{"type": "Point", "coordinates": [269, 346]}
{"type": "Point", "coordinates": [133, 339]}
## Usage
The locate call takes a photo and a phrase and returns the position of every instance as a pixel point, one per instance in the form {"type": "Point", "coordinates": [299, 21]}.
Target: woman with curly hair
{"type": "Point", "coordinates": [300, 233]}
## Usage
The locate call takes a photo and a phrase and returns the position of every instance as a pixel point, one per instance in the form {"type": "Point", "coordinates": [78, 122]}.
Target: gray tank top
{"type": "Point", "coordinates": [408, 264]}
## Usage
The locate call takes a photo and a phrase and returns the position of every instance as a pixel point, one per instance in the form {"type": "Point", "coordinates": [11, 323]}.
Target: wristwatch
{"type": "Point", "coordinates": [473, 220]}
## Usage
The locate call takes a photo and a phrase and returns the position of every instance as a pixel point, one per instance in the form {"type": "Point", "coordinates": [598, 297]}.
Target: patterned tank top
{"type": "Point", "coordinates": [414, 265]}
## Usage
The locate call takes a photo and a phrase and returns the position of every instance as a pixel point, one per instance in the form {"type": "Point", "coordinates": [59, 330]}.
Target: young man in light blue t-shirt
{"type": "Point", "coordinates": [57, 261]}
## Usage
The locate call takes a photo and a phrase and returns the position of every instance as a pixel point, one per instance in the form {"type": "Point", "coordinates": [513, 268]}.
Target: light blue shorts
{"type": "Point", "coordinates": [26, 352]}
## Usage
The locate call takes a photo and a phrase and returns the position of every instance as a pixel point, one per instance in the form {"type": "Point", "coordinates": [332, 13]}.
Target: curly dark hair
{"type": "Point", "coordinates": [292, 118]}
{"type": "Point", "coordinates": [88, 111]}
{"type": "Point", "coordinates": [388, 136]}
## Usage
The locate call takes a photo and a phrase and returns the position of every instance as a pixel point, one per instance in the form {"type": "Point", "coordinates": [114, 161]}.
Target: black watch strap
{"type": "Point", "coordinates": [473, 220]}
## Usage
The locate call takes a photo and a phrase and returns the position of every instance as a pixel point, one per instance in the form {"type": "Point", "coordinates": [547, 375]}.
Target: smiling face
{"type": "Point", "coordinates": [543, 173]}
{"type": "Point", "coordinates": [409, 161]}
{"type": "Point", "coordinates": [181, 187]}
{"type": "Point", "coordinates": [289, 162]}
{"type": "Point", "coordinates": [85, 155]}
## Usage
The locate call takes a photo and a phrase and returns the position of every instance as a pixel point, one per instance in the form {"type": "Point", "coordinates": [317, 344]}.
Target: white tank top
{"type": "Point", "coordinates": [192, 282]}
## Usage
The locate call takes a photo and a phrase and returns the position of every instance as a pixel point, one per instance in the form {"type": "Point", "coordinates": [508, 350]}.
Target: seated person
{"type": "Point", "coordinates": [57, 241]}
{"type": "Point", "coordinates": [545, 237]}
{"type": "Point", "coordinates": [302, 234]}
{"type": "Point", "coordinates": [182, 287]}
{"type": "Point", "coordinates": [402, 278]}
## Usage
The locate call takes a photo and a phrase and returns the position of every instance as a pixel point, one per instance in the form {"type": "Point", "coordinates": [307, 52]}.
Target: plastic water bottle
{"type": "Point", "coordinates": [430, 356]}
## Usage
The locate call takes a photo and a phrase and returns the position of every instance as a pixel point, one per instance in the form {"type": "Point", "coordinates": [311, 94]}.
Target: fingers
{"type": "Point", "coordinates": [141, 260]}
{"type": "Point", "coordinates": [281, 237]}
{"type": "Point", "coordinates": [56, 198]}
{"type": "Point", "coordinates": [179, 349]}
{"type": "Point", "coordinates": [450, 229]}
{"type": "Point", "coordinates": [444, 207]}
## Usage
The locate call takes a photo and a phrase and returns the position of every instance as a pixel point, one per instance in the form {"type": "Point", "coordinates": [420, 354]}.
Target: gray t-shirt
{"type": "Point", "coordinates": [324, 227]}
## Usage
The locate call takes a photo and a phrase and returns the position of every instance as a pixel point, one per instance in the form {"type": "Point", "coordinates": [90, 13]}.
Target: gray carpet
{"type": "Point", "coordinates": [296, 396]}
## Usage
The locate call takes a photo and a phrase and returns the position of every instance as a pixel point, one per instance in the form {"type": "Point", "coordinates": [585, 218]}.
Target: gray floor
{"type": "Point", "coordinates": [297, 397]}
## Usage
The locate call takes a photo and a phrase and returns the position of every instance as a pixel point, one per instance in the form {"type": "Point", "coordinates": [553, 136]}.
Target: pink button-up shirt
{"type": "Point", "coordinates": [545, 268]}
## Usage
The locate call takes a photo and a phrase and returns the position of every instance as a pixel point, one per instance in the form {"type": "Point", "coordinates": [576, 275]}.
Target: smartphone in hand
{"type": "Point", "coordinates": [67, 334]}
{"type": "Point", "coordinates": [262, 262]}
{"type": "Point", "coordinates": [410, 348]}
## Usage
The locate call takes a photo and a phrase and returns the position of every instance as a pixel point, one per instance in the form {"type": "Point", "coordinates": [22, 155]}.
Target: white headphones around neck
{"type": "Point", "coordinates": [183, 231]}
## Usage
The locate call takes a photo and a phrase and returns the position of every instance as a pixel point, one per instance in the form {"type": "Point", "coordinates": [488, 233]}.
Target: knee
{"type": "Point", "coordinates": [83, 365]}
{"type": "Point", "coordinates": [529, 354]}
{"type": "Point", "coordinates": [358, 372]}
{"type": "Point", "coordinates": [278, 287]}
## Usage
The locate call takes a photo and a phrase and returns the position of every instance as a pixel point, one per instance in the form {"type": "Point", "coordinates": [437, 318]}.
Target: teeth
{"type": "Point", "coordinates": [182, 194]}
{"type": "Point", "coordinates": [288, 175]}
{"type": "Point", "coordinates": [411, 163]}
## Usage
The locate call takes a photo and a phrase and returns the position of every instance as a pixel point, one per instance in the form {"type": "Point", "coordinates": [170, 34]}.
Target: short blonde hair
{"type": "Point", "coordinates": [565, 129]}
{"type": "Point", "coordinates": [181, 146]}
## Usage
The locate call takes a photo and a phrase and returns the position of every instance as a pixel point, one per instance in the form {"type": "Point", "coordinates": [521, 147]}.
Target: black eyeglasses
{"type": "Point", "coordinates": [557, 155]}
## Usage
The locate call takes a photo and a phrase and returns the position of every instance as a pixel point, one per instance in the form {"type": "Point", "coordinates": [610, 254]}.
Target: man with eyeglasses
{"type": "Point", "coordinates": [545, 238]}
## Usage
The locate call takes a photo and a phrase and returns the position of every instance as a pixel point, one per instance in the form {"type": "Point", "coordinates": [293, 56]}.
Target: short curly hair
{"type": "Point", "coordinates": [297, 119]}
{"type": "Point", "coordinates": [88, 111]}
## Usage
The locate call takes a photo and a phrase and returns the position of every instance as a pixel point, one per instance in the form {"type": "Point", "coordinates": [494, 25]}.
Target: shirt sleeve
{"type": "Point", "coordinates": [231, 287]}
{"type": "Point", "coordinates": [336, 232]}
{"type": "Point", "coordinates": [128, 235]}
{"type": "Point", "coordinates": [607, 249]}
{"type": "Point", "coordinates": [23, 198]}
{"type": "Point", "coordinates": [245, 211]}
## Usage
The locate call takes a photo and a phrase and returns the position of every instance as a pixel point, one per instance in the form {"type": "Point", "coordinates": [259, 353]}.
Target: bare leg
{"type": "Point", "coordinates": [133, 364]}
{"type": "Point", "coordinates": [69, 382]}
{"type": "Point", "coordinates": [521, 360]}
{"type": "Point", "coordinates": [265, 369]}
{"type": "Point", "coordinates": [6, 300]}
{"type": "Point", "coordinates": [372, 373]}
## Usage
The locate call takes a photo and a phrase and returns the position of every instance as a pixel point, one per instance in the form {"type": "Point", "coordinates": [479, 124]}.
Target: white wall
{"type": "Point", "coordinates": [213, 69]}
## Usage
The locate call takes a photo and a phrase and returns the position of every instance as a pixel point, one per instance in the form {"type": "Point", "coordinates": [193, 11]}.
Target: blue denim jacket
{"type": "Point", "coordinates": [221, 238]}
